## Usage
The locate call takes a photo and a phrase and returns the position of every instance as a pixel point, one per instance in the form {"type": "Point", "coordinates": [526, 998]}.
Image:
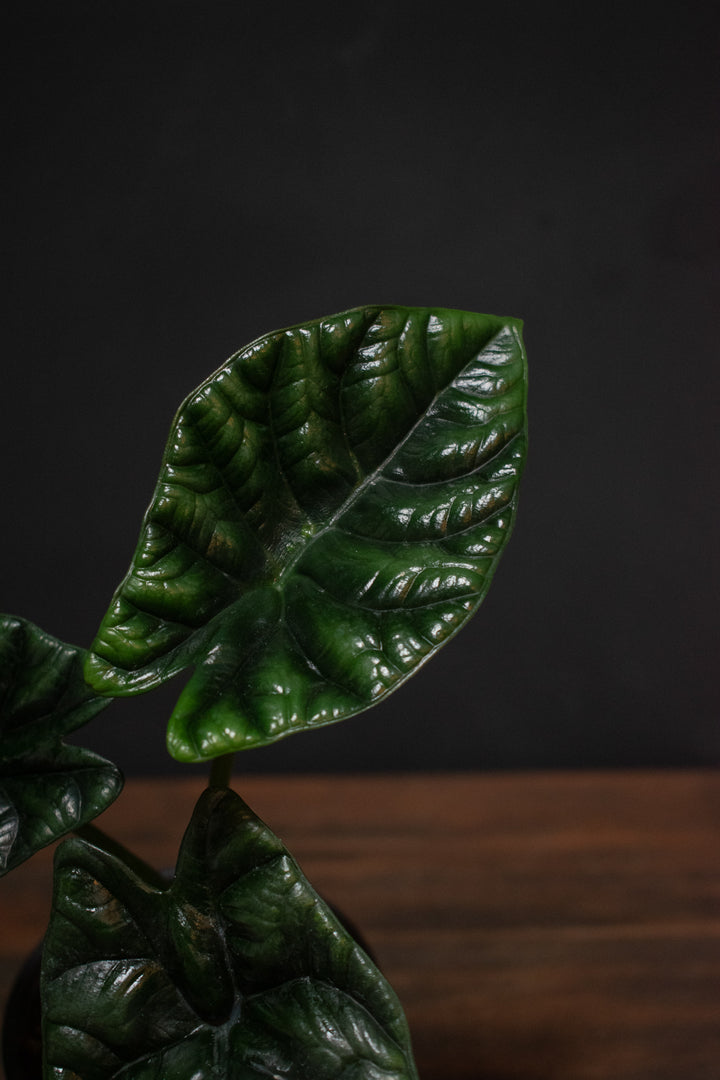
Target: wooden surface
{"type": "Point", "coordinates": [536, 926]}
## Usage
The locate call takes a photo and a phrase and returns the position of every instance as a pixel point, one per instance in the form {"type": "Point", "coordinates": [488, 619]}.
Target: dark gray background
{"type": "Point", "coordinates": [183, 177]}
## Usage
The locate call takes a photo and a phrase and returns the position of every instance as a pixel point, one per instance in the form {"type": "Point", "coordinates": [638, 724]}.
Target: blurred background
{"type": "Point", "coordinates": [182, 177]}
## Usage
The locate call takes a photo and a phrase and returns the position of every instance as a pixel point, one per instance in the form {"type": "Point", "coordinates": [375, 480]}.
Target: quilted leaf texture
{"type": "Point", "coordinates": [235, 971]}
{"type": "Point", "coordinates": [46, 788]}
{"type": "Point", "coordinates": [331, 509]}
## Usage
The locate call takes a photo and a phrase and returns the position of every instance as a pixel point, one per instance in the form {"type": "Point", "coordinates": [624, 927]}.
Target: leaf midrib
{"type": "Point", "coordinates": [371, 477]}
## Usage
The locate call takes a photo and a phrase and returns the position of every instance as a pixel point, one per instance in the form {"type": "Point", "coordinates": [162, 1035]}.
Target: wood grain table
{"type": "Point", "coordinates": [539, 926]}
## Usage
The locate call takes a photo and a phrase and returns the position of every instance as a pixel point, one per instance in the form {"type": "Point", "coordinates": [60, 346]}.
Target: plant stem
{"type": "Point", "coordinates": [221, 771]}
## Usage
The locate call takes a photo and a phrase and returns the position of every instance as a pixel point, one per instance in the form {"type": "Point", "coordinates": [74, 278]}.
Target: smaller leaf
{"type": "Point", "coordinates": [43, 693]}
{"type": "Point", "coordinates": [236, 971]}
{"type": "Point", "coordinates": [46, 788]}
{"type": "Point", "coordinates": [45, 796]}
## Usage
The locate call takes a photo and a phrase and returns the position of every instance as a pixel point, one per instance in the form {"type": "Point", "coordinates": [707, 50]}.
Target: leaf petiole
{"type": "Point", "coordinates": [221, 771]}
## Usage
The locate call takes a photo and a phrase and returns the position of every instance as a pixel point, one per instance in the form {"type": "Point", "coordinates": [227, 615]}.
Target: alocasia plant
{"type": "Point", "coordinates": [331, 508]}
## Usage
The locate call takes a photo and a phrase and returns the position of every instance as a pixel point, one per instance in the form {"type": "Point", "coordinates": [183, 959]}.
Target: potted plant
{"type": "Point", "coordinates": [331, 508]}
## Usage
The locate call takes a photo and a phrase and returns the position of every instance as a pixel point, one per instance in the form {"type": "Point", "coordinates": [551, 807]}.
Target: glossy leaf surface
{"type": "Point", "coordinates": [46, 788]}
{"type": "Point", "coordinates": [236, 971]}
{"type": "Point", "coordinates": [331, 509]}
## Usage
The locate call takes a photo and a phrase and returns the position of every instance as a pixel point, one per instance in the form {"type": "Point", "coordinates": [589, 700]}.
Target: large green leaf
{"type": "Point", "coordinates": [235, 971]}
{"type": "Point", "coordinates": [46, 788]}
{"type": "Point", "coordinates": [331, 509]}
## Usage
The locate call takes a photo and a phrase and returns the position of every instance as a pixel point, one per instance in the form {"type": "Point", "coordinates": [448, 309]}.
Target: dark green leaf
{"type": "Point", "coordinates": [235, 971]}
{"type": "Point", "coordinates": [46, 788]}
{"type": "Point", "coordinates": [331, 509]}
{"type": "Point", "coordinates": [43, 693]}
{"type": "Point", "coordinates": [45, 796]}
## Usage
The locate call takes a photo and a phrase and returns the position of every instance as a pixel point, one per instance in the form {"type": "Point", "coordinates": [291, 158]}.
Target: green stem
{"type": "Point", "coordinates": [221, 771]}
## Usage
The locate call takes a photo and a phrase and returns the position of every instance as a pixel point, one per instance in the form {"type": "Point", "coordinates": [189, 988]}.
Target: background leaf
{"type": "Point", "coordinates": [234, 971]}
{"type": "Point", "coordinates": [331, 509]}
{"type": "Point", "coordinates": [46, 788]}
